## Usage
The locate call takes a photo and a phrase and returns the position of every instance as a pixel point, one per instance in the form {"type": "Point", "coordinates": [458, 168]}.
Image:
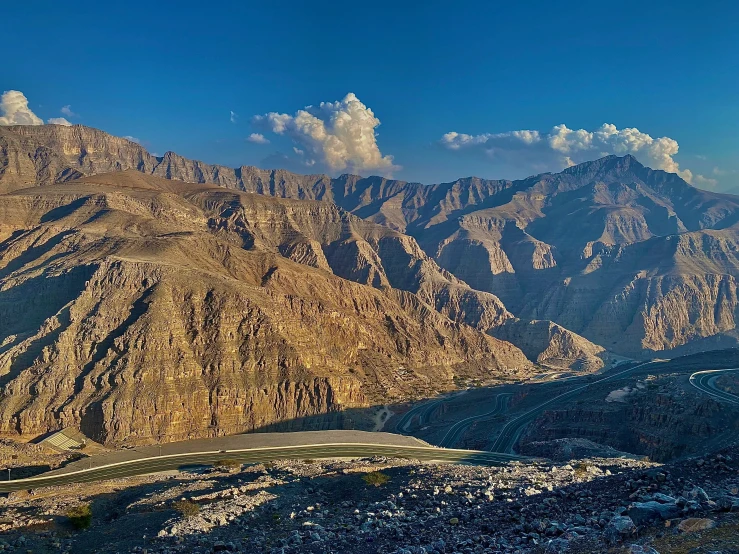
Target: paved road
{"type": "Point", "coordinates": [257, 455]}
{"type": "Point", "coordinates": [423, 411]}
{"type": "Point", "coordinates": [513, 429]}
{"type": "Point", "coordinates": [457, 430]}
{"type": "Point", "coordinates": [705, 381]}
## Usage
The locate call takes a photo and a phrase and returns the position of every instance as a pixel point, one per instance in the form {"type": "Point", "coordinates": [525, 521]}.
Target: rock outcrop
{"type": "Point", "coordinates": [551, 345]}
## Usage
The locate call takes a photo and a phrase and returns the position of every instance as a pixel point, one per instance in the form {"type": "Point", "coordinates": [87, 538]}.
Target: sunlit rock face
{"type": "Point", "coordinates": [143, 309]}
{"type": "Point", "coordinates": [632, 259]}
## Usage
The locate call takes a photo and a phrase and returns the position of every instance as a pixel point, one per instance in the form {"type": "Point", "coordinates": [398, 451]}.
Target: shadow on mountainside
{"type": "Point", "coordinates": [434, 419]}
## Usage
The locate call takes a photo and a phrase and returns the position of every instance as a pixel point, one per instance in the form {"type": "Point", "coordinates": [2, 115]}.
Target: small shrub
{"type": "Point", "coordinates": [376, 478]}
{"type": "Point", "coordinates": [80, 516]}
{"type": "Point", "coordinates": [581, 469]}
{"type": "Point", "coordinates": [187, 508]}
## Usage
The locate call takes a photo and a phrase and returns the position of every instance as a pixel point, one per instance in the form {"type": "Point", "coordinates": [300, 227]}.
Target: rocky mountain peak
{"type": "Point", "coordinates": [609, 169]}
{"type": "Point", "coordinates": [586, 248]}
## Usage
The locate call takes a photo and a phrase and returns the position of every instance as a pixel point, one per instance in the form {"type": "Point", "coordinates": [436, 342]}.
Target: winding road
{"type": "Point", "coordinates": [501, 451]}
{"type": "Point", "coordinates": [511, 432]}
{"type": "Point", "coordinates": [705, 381]}
{"type": "Point", "coordinates": [457, 430]}
{"type": "Point", "coordinates": [155, 464]}
{"type": "Point", "coordinates": [423, 411]}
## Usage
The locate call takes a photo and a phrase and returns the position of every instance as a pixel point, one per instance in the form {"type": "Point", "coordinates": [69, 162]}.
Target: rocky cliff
{"type": "Point", "coordinates": [144, 309]}
{"type": "Point", "coordinates": [660, 418]}
{"type": "Point", "coordinates": [550, 344]}
{"type": "Point", "coordinates": [629, 258]}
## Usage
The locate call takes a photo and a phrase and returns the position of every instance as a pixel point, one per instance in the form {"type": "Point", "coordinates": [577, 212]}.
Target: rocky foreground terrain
{"type": "Point", "coordinates": [394, 506]}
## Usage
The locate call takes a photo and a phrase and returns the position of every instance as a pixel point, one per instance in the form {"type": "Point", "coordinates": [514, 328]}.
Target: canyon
{"type": "Point", "coordinates": [147, 298]}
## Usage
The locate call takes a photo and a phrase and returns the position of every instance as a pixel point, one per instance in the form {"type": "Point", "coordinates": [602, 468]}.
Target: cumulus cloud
{"type": "Point", "coordinates": [132, 139]}
{"type": "Point", "coordinates": [258, 138]}
{"type": "Point", "coordinates": [562, 147]}
{"type": "Point", "coordinates": [234, 116]}
{"type": "Point", "coordinates": [704, 182]}
{"type": "Point", "coordinates": [67, 110]}
{"type": "Point", "coordinates": [14, 110]}
{"type": "Point", "coordinates": [58, 121]}
{"type": "Point", "coordinates": [339, 136]}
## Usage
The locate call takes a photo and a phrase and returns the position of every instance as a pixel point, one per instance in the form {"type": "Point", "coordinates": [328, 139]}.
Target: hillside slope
{"type": "Point", "coordinates": [630, 258]}
{"type": "Point", "coordinates": [140, 310]}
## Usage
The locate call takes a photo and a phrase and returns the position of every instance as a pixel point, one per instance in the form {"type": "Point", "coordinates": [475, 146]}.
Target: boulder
{"type": "Point", "coordinates": [693, 524]}
{"type": "Point", "coordinates": [619, 528]}
{"type": "Point", "coordinates": [643, 513]}
{"type": "Point", "coordinates": [727, 504]}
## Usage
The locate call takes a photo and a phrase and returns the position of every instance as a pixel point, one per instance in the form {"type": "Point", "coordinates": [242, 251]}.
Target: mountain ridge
{"type": "Point", "coordinates": [557, 246]}
{"type": "Point", "coordinates": [134, 310]}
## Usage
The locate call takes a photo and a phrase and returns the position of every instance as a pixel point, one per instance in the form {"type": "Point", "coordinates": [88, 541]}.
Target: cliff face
{"type": "Point", "coordinates": [550, 344]}
{"type": "Point", "coordinates": [593, 249]}
{"type": "Point", "coordinates": [322, 235]}
{"type": "Point", "coordinates": [143, 309]}
{"type": "Point", "coordinates": [663, 423]}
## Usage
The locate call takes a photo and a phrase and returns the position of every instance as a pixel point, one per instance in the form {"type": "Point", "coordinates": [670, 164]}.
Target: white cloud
{"type": "Point", "coordinates": [336, 135]}
{"type": "Point", "coordinates": [455, 141]}
{"type": "Point", "coordinates": [704, 182]}
{"type": "Point", "coordinates": [562, 147]}
{"type": "Point", "coordinates": [67, 110]}
{"type": "Point", "coordinates": [58, 121]}
{"type": "Point", "coordinates": [258, 138]}
{"type": "Point", "coordinates": [15, 111]}
{"type": "Point", "coordinates": [234, 116]}
{"type": "Point", "coordinates": [723, 172]}
{"type": "Point", "coordinates": [132, 139]}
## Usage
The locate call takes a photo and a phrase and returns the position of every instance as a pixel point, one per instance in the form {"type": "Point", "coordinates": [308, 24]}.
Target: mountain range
{"type": "Point", "coordinates": [144, 297]}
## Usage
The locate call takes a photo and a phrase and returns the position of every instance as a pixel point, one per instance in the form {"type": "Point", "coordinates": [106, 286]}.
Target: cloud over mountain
{"type": "Point", "coordinates": [339, 136]}
{"type": "Point", "coordinates": [58, 121]}
{"type": "Point", "coordinates": [14, 110]}
{"type": "Point", "coordinates": [562, 147]}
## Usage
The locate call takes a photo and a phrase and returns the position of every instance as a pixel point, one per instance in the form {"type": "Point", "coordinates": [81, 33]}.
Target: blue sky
{"type": "Point", "coordinates": [171, 73]}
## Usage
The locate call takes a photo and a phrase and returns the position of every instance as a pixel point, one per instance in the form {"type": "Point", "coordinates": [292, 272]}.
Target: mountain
{"type": "Point", "coordinates": [144, 309]}
{"type": "Point", "coordinates": [50, 154]}
{"type": "Point", "coordinates": [617, 254]}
